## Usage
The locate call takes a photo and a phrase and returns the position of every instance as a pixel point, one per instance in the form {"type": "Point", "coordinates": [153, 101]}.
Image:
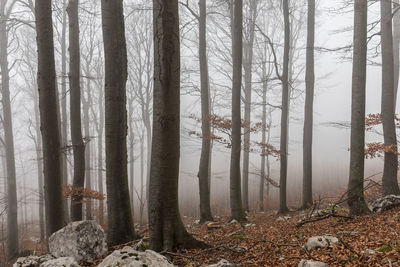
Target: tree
{"type": "Point", "coordinates": [49, 121]}
{"type": "Point", "coordinates": [75, 108]}
{"type": "Point", "coordinates": [6, 8]}
{"type": "Point", "coordinates": [237, 211]}
{"type": "Point", "coordinates": [308, 109]}
{"type": "Point", "coordinates": [120, 222]}
{"type": "Point", "coordinates": [285, 111]}
{"type": "Point", "coordinates": [248, 74]}
{"type": "Point", "coordinates": [204, 166]}
{"type": "Point", "coordinates": [356, 200]}
{"type": "Point", "coordinates": [166, 229]}
{"type": "Point", "coordinates": [396, 47]}
{"type": "Point", "coordinates": [389, 179]}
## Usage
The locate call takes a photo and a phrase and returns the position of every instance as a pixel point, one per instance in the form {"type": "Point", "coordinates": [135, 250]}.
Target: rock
{"type": "Point", "coordinates": [223, 263]}
{"type": "Point", "coordinates": [320, 241]}
{"type": "Point", "coordinates": [61, 262]}
{"type": "Point", "coordinates": [283, 219]}
{"type": "Point", "coordinates": [32, 261]}
{"type": "Point", "coordinates": [385, 203]}
{"type": "Point", "coordinates": [141, 246]}
{"type": "Point", "coordinates": [249, 225]}
{"type": "Point", "coordinates": [128, 257]}
{"type": "Point", "coordinates": [368, 251]}
{"type": "Point", "coordinates": [232, 222]}
{"type": "Point", "coordinates": [310, 263]}
{"type": "Point", "coordinates": [83, 241]}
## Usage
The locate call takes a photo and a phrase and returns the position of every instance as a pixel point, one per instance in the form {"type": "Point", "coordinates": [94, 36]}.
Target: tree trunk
{"type": "Point", "coordinates": [64, 117]}
{"type": "Point", "coordinates": [88, 174]}
{"type": "Point", "coordinates": [285, 112]}
{"type": "Point", "coordinates": [263, 137]}
{"type": "Point", "coordinates": [205, 208]}
{"type": "Point", "coordinates": [12, 202]}
{"type": "Point", "coordinates": [389, 179]}
{"type": "Point", "coordinates": [131, 157]}
{"type": "Point", "coordinates": [120, 222]}
{"type": "Point", "coordinates": [237, 211]}
{"type": "Point", "coordinates": [308, 110]}
{"type": "Point", "coordinates": [166, 230]}
{"type": "Point", "coordinates": [39, 159]}
{"type": "Point", "coordinates": [356, 200]}
{"type": "Point", "coordinates": [100, 156]}
{"type": "Point", "coordinates": [396, 47]}
{"type": "Point", "coordinates": [248, 76]}
{"type": "Point", "coordinates": [142, 202]}
{"type": "Point", "coordinates": [75, 109]}
{"type": "Point", "coordinates": [49, 123]}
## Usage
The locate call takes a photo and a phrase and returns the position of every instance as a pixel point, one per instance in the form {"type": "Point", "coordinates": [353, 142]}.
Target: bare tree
{"type": "Point", "coordinates": [166, 229]}
{"type": "Point", "coordinates": [357, 143]}
{"type": "Point", "coordinates": [75, 109]}
{"type": "Point", "coordinates": [49, 120]}
{"type": "Point", "coordinates": [308, 109]}
{"type": "Point", "coordinates": [120, 222]}
{"type": "Point", "coordinates": [389, 179]}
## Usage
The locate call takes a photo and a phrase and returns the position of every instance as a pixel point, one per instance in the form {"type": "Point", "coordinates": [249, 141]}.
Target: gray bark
{"type": "Point", "coordinates": [120, 222]}
{"type": "Point", "coordinates": [389, 179]}
{"type": "Point", "coordinates": [356, 200]}
{"type": "Point", "coordinates": [49, 121]}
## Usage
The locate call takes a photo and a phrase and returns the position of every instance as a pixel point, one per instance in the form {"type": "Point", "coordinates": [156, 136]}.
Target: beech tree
{"type": "Point", "coordinates": [389, 179]}
{"type": "Point", "coordinates": [6, 8]}
{"type": "Point", "coordinates": [166, 229]}
{"type": "Point", "coordinates": [75, 108]}
{"type": "Point", "coordinates": [49, 120]}
{"type": "Point", "coordinates": [120, 222]}
{"type": "Point", "coordinates": [355, 194]}
{"type": "Point", "coordinates": [308, 110]}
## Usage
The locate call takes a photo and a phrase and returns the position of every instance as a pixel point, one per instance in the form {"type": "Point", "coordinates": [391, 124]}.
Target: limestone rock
{"type": "Point", "coordinates": [83, 241]}
{"type": "Point", "coordinates": [320, 241]}
{"type": "Point", "coordinates": [385, 203]}
{"type": "Point", "coordinates": [32, 261]}
{"type": "Point", "coordinates": [311, 263]}
{"type": "Point", "coordinates": [61, 262]}
{"type": "Point", "coordinates": [128, 257]}
{"type": "Point", "coordinates": [223, 263]}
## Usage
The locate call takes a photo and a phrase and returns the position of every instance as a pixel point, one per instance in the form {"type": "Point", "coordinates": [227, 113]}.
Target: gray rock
{"type": "Point", "coordinates": [368, 251]}
{"type": "Point", "coordinates": [311, 263]}
{"type": "Point", "coordinates": [83, 241]}
{"type": "Point", "coordinates": [32, 261]}
{"type": "Point", "coordinates": [61, 262]}
{"type": "Point", "coordinates": [223, 263]}
{"type": "Point", "coordinates": [284, 219]}
{"type": "Point", "coordinates": [320, 241]}
{"type": "Point", "coordinates": [128, 257]}
{"type": "Point", "coordinates": [385, 203]}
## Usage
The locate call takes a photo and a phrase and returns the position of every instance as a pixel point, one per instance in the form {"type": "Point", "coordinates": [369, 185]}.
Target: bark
{"type": "Point", "coordinates": [237, 211]}
{"type": "Point", "coordinates": [142, 202]}
{"type": "Point", "coordinates": [356, 200]}
{"type": "Point", "coordinates": [39, 159]}
{"type": "Point", "coordinates": [389, 179]}
{"type": "Point", "coordinates": [88, 174]}
{"type": "Point", "coordinates": [205, 207]}
{"type": "Point", "coordinates": [131, 157]}
{"type": "Point", "coordinates": [64, 117]}
{"type": "Point", "coordinates": [12, 201]}
{"type": "Point", "coordinates": [263, 137]}
{"type": "Point", "coordinates": [120, 222]}
{"type": "Point", "coordinates": [285, 112]}
{"type": "Point", "coordinates": [166, 230]}
{"type": "Point", "coordinates": [75, 109]}
{"type": "Point", "coordinates": [49, 121]}
{"type": "Point", "coordinates": [396, 47]}
{"type": "Point", "coordinates": [100, 155]}
{"type": "Point", "coordinates": [308, 109]}
{"type": "Point", "coordinates": [248, 76]}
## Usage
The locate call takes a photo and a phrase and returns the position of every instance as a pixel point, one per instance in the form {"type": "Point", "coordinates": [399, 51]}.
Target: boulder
{"type": "Point", "coordinates": [32, 261]}
{"type": "Point", "coordinates": [311, 263]}
{"type": "Point", "coordinates": [128, 257]}
{"type": "Point", "coordinates": [61, 262]}
{"type": "Point", "coordinates": [284, 219]}
{"type": "Point", "coordinates": [223, 263]}
{"type": "Point", "coordinates": [320, 241]}
{"type": "Point", "coordinates": [385, 203]}
{"type": "Point", "coordinates": [83, 241]}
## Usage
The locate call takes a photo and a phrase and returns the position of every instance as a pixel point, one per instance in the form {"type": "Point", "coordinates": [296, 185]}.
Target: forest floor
{"type": "Point", "coordinates": [264, 241]}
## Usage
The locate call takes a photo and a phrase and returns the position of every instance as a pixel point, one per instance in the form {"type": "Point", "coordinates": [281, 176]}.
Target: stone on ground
{"type": "Point", "coordinates": [311, 263]}
{"type": "Point", "coordinates": [385, 203]}
{"type": "Point", "coordinates": [61, 262]}
{"type": "Point", "coordinates": [83, 241]}
{"type": "Point", "coordinates": [223, 263]}
{"type": "Point", "coordinates": [320, 241]}
{"type": "Point", "coordinates": [32, 261]}
{"type": "Point", "coordinates": [128, 257]}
